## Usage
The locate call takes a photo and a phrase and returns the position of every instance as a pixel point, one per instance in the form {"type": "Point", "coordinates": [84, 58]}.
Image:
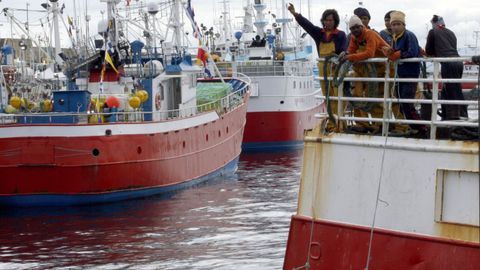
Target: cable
{"type": "Point", "coordinates": [370, 242]}
{"type": "Point", "coordinates": [476, 60]}
{"type": "Point", "coordinates": [328, 59]}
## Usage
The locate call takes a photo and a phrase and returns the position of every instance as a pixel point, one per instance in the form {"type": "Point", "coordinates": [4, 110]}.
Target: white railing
{"type": "Point", "coordinates": [388, 101]}
{"type": "Point", "coordinates": [221, 106]}
{"type": "Point", "coordinates": [257, 68]}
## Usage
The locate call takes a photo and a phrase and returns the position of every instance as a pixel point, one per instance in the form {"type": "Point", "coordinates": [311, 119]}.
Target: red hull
{"type": "Point", "coordinates": [69, 165]}
{"type": "Point", "coordinates": [343, 246]}
{"type": "Point", "coordinates": [279, 126]}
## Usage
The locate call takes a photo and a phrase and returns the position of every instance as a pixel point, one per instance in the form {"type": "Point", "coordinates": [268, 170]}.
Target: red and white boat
{"type": "Point", "coordinates": [379, 202]}
{"type": "Point", "coordinates": [152, 138]}
{"type": "Point", "coordinates": [282, 103]}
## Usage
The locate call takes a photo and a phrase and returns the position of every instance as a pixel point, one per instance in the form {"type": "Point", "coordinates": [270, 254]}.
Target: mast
{"type": "Point", "coordinates": [153, 10]}
{"type": "Point", "coordinates": [177, 34]}
{"type": "Point", "coordinates": [56, 30]}
{"type": "Point", "coordinates": [247, 19]}
{"type": "Point", "coordinates": [309, 13]}
{"type": "Point", "coordinates": [87, 29]}
{"type": "Point", "coordinates": [284, 24]}
{"type": "Point", "coordinates": [111, 22]}
{"type": "Point", "coordinates": [226, 24]}
{"type": "Point", "coordinates": [260, 21]}
{"type": "Point", "coordinates": [284, 21]}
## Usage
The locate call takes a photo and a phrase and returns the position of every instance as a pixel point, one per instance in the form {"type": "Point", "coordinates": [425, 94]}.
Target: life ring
{"type": "Point", "coordinates": [158, 100]}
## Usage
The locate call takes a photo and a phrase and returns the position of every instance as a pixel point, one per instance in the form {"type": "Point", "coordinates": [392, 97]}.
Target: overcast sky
{"type": "Point", "coordinates": [461, 16]}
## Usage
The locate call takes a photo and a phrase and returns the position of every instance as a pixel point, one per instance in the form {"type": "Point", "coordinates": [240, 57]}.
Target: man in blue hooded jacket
{"type": "Point", "coordinates": [405, 45]}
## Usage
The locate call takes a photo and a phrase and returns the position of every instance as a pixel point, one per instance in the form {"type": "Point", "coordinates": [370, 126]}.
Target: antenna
{"type": "Point", "coordinates": [476, 33]}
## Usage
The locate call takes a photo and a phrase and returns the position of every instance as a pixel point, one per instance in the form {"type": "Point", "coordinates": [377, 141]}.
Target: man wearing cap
{"type": "Point", "coordinates": [441, 42]}
{"type": "Point", "coordinates": [405, 45]}
{"type": "Point", "coordinates": [365, 44]}
{"type": "Point", "coordinates": [329, 40]}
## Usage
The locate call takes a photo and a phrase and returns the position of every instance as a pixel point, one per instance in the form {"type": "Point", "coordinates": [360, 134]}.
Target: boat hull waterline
{"type": "Point", "coordinates": [79, 166]}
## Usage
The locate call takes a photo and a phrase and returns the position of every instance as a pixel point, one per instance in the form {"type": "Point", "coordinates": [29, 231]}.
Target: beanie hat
{"type": "Point", "coordinates": [387, 15]}
{"type": "Point", "coordinates": [354, 20]}
{"type": "Point", "coordinates": [397, 16]}
{"type": "Point", "coordinates": [437, 20]}
{"type": "Point", "coordinates": [361, 12]}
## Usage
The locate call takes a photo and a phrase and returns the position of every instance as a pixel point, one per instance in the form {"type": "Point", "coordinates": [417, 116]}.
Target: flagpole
{"type": "Point", "coordinates": [195, 27]}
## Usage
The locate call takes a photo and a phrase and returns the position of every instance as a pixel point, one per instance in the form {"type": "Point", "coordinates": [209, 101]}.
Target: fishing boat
{"type": "Point", "coordinates": [383, 202]}
{"type": "Point", "coordinates": [127, 127]}
{"type": "Point", "coordinates": [276, 56]}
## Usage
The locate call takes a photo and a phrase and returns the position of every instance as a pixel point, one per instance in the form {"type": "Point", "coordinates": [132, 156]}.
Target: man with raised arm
{"type": "Point", "coordinates": [329, 40]}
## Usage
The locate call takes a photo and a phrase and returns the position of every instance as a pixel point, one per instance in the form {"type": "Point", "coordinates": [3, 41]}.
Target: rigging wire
{"type": "Point", "coordinates": [476, 60]}
{"type": "Point", "coordinates": [372, 228]}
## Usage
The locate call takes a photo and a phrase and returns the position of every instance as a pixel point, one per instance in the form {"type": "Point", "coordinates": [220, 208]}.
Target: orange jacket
{"type": "Point", "coordinates": [372, 42]}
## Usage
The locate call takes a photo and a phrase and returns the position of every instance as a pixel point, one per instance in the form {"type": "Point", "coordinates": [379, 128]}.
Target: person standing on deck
{"type": "Point", "coordinates": [386, 33]}
{"type": "Point", "coordinates": [441, 42]}
{"type": "Point", "coordinates": [364, 44]}
{"type": "Point", "coordinates": [405, 45]}
{"type": "Point", "coordinates": [364, 16]}
{"type": "Point", "coordinates": [329, 40]}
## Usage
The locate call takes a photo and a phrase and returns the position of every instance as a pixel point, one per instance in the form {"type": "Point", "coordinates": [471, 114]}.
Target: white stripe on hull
{"type": "Point", "coordinates": [87, 130]}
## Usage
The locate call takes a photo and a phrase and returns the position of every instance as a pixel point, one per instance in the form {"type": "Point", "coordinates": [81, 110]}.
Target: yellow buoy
{"type": "Point", "coordinates": [32, 105]}
{"type": "Point", "coordinates": [16, 102]}
{"type": "Point", "coordinates": [142, 95]}
{"type": "Point", "coordinates": [280, 56]}
{"type": "Point", "coordinates": [134, 102]}
{"type": "Point", "coordinates": [46, 105]}
{"type": "Point", "coordinates": [24, 103]}
{"type": "Point", "coordinates": [216, 58]}
{"type": "Point", "coordinates": [10, 109]}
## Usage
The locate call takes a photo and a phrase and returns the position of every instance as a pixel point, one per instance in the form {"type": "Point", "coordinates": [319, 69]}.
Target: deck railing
{"type": "Point", "coordinates": [257, 68]}
{"type": "Point", "coordinates": [387, 100]}
{"type": "Point", "coordinates": [221, 106]}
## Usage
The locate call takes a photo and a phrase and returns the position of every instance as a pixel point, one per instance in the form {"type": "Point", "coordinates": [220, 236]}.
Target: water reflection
{"type": "Point", "coordinates": [239, 222]}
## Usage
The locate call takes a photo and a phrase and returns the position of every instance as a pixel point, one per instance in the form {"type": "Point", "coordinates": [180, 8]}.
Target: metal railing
{"type": "Point", "coordinates": [221, 106]}
{"type": "Point", "coordinates": [387, 101]}
{"type": "Point", "coordinates": [257, 68]}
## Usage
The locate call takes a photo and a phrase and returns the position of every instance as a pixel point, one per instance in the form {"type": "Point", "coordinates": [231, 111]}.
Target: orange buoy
{"type": "Point", "coordinates": [113, 102]}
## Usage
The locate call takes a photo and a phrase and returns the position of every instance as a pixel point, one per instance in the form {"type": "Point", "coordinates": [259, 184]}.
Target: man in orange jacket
{"type": "Point", "coordinates": [365, 44]}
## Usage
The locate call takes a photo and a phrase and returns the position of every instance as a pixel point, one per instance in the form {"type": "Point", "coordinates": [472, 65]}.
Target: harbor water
{"type": "Point", "coordinates": [235, 222]}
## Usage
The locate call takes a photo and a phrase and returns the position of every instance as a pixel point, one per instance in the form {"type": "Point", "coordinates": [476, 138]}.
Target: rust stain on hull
{"type": "Point", "coordinates": [458, 232]}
